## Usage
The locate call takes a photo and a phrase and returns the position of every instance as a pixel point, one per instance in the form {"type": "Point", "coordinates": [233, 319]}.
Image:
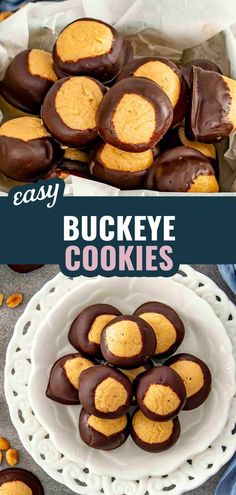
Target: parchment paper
{"type": "Point", "coordinates": [181, 30]}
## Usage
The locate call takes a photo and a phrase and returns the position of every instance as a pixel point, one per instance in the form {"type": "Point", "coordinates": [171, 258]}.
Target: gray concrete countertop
{"type": "Point", "coordinates": [28, 285]}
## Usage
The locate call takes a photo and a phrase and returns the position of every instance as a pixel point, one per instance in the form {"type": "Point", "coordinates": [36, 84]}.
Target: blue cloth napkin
{"type": "Point", "coordinates": [227, 484]}
{"type": "Point", "coordinates": [228, 273]}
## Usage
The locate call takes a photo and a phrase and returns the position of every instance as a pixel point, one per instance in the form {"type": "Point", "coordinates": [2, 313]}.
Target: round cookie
{"type": "Point", "coordinates": [91, 47]}
{"type": "Point", "coordinates": [195, 375]}
{"type": "Point", "coordinates": [182, 169]}
{"type": "Point", "coordinates": [167, 75]}
{"type": "Point", "coordinates": [167, 325]}
{"type": "Point", "coordinates": [212, 107]}
{"type": "Point", "coordinates": [27, 152]}
{"type": "Point", "coordinates": [85, 331]}
{"type": "Point", "coordinates": [198, 62]}
{"type": "Point", "coordinates": [177, 137]}
{"type": "Point", "coordinates": [160, 393]}
{"type": "Point", "coordinates": [64, 380]}
{"type": "Point", "coordinates": [127, 342]}
{"type": "Point", "coordinates": [69, 110]}
{"type": "Point", "coordinates": [75, 162]}
{"type": "Point", "coordinates": [154, 436]}
{"type": "Point", "coordinates": [120, 168]}
{"type": "Point", "coordinates": [105, 392]}
{"type": "Point", "coordinates": [103, 434]}
{"type": "Point", "coordinates": [134, 115]}
{"type": "Point", "coordinates": [15, 481]}
{"type": "Point", "coordinates": [27, 80]}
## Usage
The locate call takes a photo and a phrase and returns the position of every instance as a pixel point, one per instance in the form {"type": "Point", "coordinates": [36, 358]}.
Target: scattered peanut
{"type": "Point", "coordinates": [4, 444]}
{"type": "Point", "coordinates": [12, 457]}
{"type": "Point", "coordinates": [0, 457]}
{"type": "Point", "coordinates": [1, 298]}
{"type": "Point", "coordinates": [4, 15]}
{"type": "Point", "coordinates": [14, 300]}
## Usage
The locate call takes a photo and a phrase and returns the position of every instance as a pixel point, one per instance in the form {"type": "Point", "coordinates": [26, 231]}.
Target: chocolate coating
{"type": "Point", "coordinates": [103, 67]}
{"type": "Point", "coordinates": [176, 169]}
{"type": "Point", "coordinates": [156, 447]}
{"type": "Point", "coordinates": [24, 268]}
{"type": "Point", "coordinates": [151, 92]}
{"type": "Point", "coordinates": [164, 376]}
{"type": "Point", "coordinates": [16, 474]}
{"type": "Point", "coordinates": [181, 105]}
{"type": "Point", "coordinates": [97, 440]}
{"type": "Point", "coordinates": [123, 179]}
{"type": "Point", "coordinates": [22, 89]}
{"type": "Point", "coordinates": [89, 381]}
{"type": "Point", "coordinates": [198, 62]}
{"type": "Point", "coordinates": [148, 343]}
{"type": "Point", "coordinates": [199, 397]}
{"type": "Point", "coordinates": [173, 138]}
{"type": "Point", "coordinates": [79, 330]}
{"type": "Point", "coordinates": [172, 316]}
{"type": "Point", "coordinates": [57, 127]}
{"type": "Point", "coordinates": [60, 389]}
{"type": "Point", "coordinates": [209, 107]}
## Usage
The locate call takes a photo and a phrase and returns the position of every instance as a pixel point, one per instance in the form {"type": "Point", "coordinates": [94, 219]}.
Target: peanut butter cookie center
{"type": "Point", "coordinates": [151, 431]}
{"type": "Point", "coordinates": [161, 399]}
{"type": "Point", "coordinates": [96, 329]}
{"type": "Point", "coordinates": [163, 75]}
{"type": "Point", "coordinates": [116, 159]}
{"type": "Point", "coordinates": [110, 395]}
{"type": "Point", "coordinates": [41, 64]}
{"type": "Point", "coordinates": [24, 128]}
{"type": "Point", "coordinates": [163, 328]}
{"type": "Point", "coordinates": [74, 367]}
{"type": "Point", "coordinates": [108, 427]}
{"type": "Point", "coordinates": [124, 339]}
{"type": "Point", "coordinates": [134, 119]}
{"type": "Point", "coordinates": [191, 374]}
{"type": "Point", "coordinates": [15, 488]}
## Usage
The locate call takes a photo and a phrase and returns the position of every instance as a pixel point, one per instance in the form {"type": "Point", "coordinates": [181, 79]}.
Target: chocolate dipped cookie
{"type": "Point", "coordinates": [160, 393]}
{"type": "Point", "coordinates": [27, 151]}
{"type": "Point", "coordinates": [105, 392]}
{"type": "Point", "coordinates": [177, 137]}
{"type": "Point", "coordinates": [64, 380]}
{"type": "Point", "coordinates": [212, 110]}
{"type": "Point", "coordinates": [167, 325]}
{"type": "Point", "coordinates": [15, 481]}
{"type": "Point", "coordinates": [69, 110]}
{"type": "Point", "coordinates": [195, 375]}
{"type": "Point", "coordinates": [27, 80]}
{"type": "Point", "coordinates": [103, 434]}
{"type": "Point", "coordinates": [91, 47]}
{"type": "Point", "coordinates": [198, 62]}
{"type": "Point", "coordinates": [127, 342]}
{"type": "Point", "coordinates": [182, 169]}
{"type": "Point", "coordinates": [85, 331]}
{"type": "Point", "coordinates": [134, 114]}
{"type": "Point", "coordinates": [167, 75]}
{"type": "Point", "coordinates": [154, 436]}
{"type": "Point", "coordinates": [120, 168]}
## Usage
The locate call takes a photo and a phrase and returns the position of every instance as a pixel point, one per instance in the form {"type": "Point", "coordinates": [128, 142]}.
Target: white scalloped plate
{"type": "Point", "coordinates": [36, 439]}
{"type": "Point", "coordinates": [205, 337]}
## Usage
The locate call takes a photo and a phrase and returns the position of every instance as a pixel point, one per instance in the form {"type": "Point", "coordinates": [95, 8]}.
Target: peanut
{"type": "Point", "coordinates": [1, 298]}
{"type": "Point", "coordinates": [14, 300]}
{"type": "Point", "coordinates": [0, 457]}
{"type": "Point", "coordinates": [12, 457]}
{"type": "Point", "coordinates": [4, 444]}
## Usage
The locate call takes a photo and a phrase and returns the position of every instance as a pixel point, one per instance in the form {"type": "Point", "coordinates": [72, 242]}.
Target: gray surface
{"type": "Point", "coordinates": [29, 284]}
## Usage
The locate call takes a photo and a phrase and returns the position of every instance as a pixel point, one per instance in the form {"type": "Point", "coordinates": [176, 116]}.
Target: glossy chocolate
{"type": "Point", "coordinates": [172, 316]}
{"type": "Point", "coordinates": [164, 376]}
{"type": "Point", "coordinates": [157, 447]}
{"type": "Point", "coordinates": [22, 89]}
{"type": "Point", "coordinates": [210, 101]}
{"type": "Point", "coordinates": [198, 62]}
{"type": "Point", "coordinates": [175, 169]}
{"type": "Point", "coordinates": [181, 105]}
{"type": "Point", "coordinates": [26, 477]}
{"type": "Point", "coordinates": [117, 178]}
{"type": "Point", "coordinates": [57, 127]}
{"type": "Point", "coordinates": [89, 381]}
{"type": "Point", "coordinates": [103, 67]}
{"type": "Point", "coordinates": [173, 138]}
{"type": "Point", "coordinates": [97, 440]}
{"type": "Point", "coordinates": [24, 268]}
{"type": "Point", "coordinates": [199, 397]}
{"type": "Point", "coordinates": [60, 389]}
{"type": "Point", "coordinates": [26, 161]}
{"type": "Point", "coordinates": [148, 339]}
{"type": "Point", "coordinates": [148, 90]}
{"type": "Point", "coordinates": [79, 330]}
